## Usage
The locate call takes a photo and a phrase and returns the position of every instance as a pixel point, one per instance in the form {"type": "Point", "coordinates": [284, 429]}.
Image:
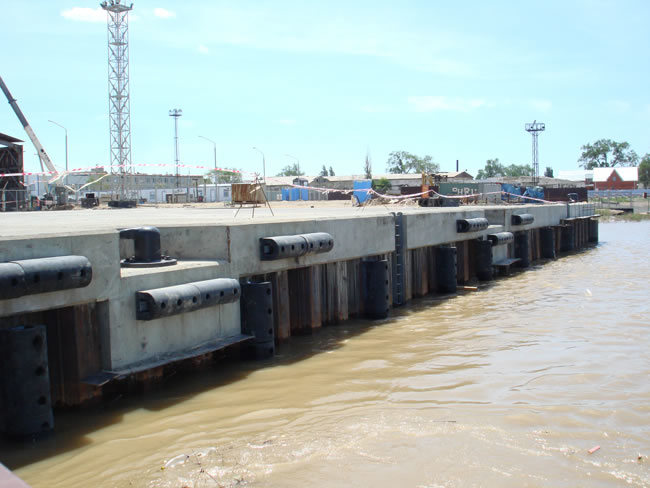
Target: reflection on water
{"type": "Point", "coordinates": [509, 386]}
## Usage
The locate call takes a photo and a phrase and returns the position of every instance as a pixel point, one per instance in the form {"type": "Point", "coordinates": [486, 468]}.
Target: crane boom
{"type": "Point", "coordinates": [30, 132]}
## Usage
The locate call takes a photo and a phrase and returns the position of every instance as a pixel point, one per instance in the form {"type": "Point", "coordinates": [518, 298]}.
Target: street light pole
{"type": "Point", "coordinates": [176, 113]}
{"type": "Point", "coordinates": [263, 163]}
{"type": "Point", "coordinates": [214, 144]}
{"type": "Point", "coordinates": [65, 180]}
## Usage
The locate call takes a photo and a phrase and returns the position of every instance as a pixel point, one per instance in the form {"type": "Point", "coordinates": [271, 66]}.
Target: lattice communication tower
{"type": "Point", "coordinates": [534, 129]}
{"type": "Point", "coordinates": [119, 104]}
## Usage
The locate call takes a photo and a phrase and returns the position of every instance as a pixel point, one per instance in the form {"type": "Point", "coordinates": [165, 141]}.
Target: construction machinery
{"type": "Point", "coordinates": [60, 198]}
{"type": "Point", "coordinates": [430, 192]}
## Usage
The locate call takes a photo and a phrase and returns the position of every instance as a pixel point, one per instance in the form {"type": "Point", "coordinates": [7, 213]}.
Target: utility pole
{"type": "Point", "coordinates": [176, 113]}
{"type": "Point", "coordinates": [214, 144]}
{"type": "Point", "coordinates": [534, 129]}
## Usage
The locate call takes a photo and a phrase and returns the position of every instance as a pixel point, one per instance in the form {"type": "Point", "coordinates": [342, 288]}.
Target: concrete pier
{"type": "Point", "coordinates": [94, 335]}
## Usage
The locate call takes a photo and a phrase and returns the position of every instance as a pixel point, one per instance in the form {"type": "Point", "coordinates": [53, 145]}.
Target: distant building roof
{"type": "Point", "coordinates": [575, 175]}
{"type": "Point", "coordinates": [398, 176]}
{"type": "Point", "coordinates": [406, 177]}
{"type": "Point", "coordinates": [627, 173]}
{"type": "Point", "coordinates": [457, 174]}
{"type": "Point", "coordinates": [284, 180]}
{"type": "Point", "coordinates": [338, 178]}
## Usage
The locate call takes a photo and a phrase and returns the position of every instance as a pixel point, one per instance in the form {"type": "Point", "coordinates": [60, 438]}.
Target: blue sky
{"type": "Point", "coordinates": [328, 81]}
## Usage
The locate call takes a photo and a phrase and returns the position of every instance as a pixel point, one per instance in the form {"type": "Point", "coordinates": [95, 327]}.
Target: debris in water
{"type": "Point", "coordinates": [593, 449]}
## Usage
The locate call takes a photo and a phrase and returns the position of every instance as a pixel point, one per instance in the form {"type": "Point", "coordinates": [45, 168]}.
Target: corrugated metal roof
{"type": "Point", "coordinates": [284, 180]}
{"type": "Point", "coordinates": [338, 178]}
{"type": "Point", "coordinates": [575, 174]}
{"type": "Point", "coordinates": [626, 173]}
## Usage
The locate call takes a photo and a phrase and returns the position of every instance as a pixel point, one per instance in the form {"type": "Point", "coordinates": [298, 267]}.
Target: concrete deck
{"type": "Point", "coordinates": [48, 223]}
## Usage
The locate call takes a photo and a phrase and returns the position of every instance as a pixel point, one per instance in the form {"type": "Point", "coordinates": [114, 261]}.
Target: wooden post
{"type": "Point", "coordinates": [420, 272]}
{"type": "Point", "coordinates": [281, 311]}
{"type": "Point", "coordinates": [431, 265]}
{"type": "Point", "coordinates": [74, 352]}
{"type": "Point", "coordinates": [342, 291]}
{"type": "Point", "coordinates": [462, 263]}
{"type": "Point", "coordinates": [408, 275]}
{"type": "Point", "coordinates": [300, 301]}
{"type": "Point", "coordinates": [315, 296]}
{"type": "Point", "coordinates": [354, 287]}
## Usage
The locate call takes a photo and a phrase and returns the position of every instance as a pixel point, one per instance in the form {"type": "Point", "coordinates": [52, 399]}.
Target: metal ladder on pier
{"type": "Point", "coordinates": [398, 259]}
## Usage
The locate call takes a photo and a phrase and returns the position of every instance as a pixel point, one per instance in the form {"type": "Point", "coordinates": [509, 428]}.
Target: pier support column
{"type": "Point", "coordinates": [593, 230]}
{"type": "Point", "coordinates": [522, 249]}
{"type": "Point", "coordinates": [446, 261]}
{"type": "Point", "coordinates": [376, 296]}
{"type": "Point", "coordinates": [484, 270]}
{"type": "Point", "coordinates": [257, 318]}
{"type": "Point", "coordinates": [547, 237]}
{"type": "Point", "coordinates": [567, 241]}
{"type": "Point", "coordinates": [25, 382]}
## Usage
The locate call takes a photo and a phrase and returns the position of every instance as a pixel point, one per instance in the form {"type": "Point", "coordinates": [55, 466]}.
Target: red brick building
{"type": "Point", "coordinates": [623, 178]}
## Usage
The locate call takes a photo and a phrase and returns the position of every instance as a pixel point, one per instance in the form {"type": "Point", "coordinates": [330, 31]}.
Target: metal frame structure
{"type": "Point", "coordinates": [13, 192]}
{"type": "Point", "coordinates": [534, 129]}
{"type": "Point", "coordinates": [119, 103]}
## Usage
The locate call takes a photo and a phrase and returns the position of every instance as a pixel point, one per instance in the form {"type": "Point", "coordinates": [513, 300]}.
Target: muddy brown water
{"type": "Point", "coordinates": [506, 387]}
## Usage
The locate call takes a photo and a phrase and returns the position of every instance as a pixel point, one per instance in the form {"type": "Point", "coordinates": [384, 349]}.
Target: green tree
{"type": "Point", "coordinates": [401, 162]}
{"type": "Point", "coordinates": [332, 172]}
{"type": "Point", "coordinates": [224, 176]}
{"type": "Point", "coordinates": [291, 170]}
{"type": "Point", "coordinates": [518, 170]}
{"type": "Point", "coordinates": [644, 171]}
{"type": "Point", "coordinates": [382, 185]}
{"type": "Point", "coordinates": [492, 169]}
{"type": "Point", "coordinates": [606, 153]}
{"type": "Point", "coordinates": [323, 172]}
{"type": "Point", "coordinates": [548, 172]}
{"type": "Point", "coordinates": [367, 167]}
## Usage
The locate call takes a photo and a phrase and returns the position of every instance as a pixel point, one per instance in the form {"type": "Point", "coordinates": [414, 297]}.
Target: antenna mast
{"type": "Point", "coordinates": [534, 129]}
{"type": "Point", "coordinates": [119, 103]}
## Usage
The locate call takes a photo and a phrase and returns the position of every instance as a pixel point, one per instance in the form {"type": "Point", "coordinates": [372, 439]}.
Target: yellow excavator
{"type": "Point", "coordinates": [430, 184]}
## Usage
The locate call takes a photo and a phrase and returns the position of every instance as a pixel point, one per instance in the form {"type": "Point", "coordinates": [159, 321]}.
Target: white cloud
{"type": "Point", "coordinates": [163, 13]}
{"type": "Point", "coordinates": [541, 105]}
{"type": "Point", "coordinates": [85, 14]}
{"type": "Point", "coordinates": [203, 49]}
{"type": "Point", "coordinates": [431, 103]}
